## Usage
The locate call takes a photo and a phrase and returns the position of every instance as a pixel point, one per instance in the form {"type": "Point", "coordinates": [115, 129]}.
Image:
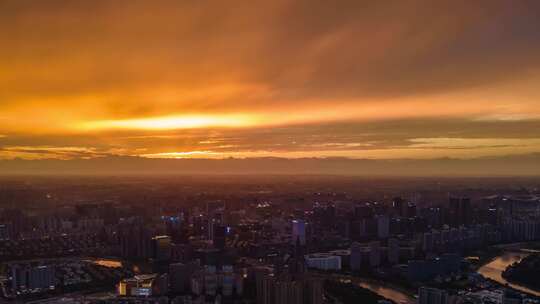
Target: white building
{"type": "Point", "coordinates": [323, 261]}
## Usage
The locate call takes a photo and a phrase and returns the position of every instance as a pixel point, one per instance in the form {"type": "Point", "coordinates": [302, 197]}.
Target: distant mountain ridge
{"type": "Point", "coordinates": [515, 165]}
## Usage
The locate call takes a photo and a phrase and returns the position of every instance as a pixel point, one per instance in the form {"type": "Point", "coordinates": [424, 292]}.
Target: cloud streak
{"type": "Point", "coordinates": [305, 78]}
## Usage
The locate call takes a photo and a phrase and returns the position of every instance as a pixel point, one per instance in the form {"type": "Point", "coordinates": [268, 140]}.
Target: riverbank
{"type": "Point", "coordinates": [494, 269]}
{"type": "Point", "coordinates": [525, 272]}
{"type": "Point", "coordinates": [348, 292]}
{"type": "Point", "coordinates": [395, 293]}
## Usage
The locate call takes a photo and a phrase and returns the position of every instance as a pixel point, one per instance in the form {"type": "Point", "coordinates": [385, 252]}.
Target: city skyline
{"type": "Point", "coordinates": [302, 79]}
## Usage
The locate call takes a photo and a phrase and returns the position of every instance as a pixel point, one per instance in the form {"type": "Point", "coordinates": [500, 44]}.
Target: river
{"type": "Point", "coordinates": [381, 288]}
{"type": "Point", "coordinates": [494, 269]}
{"type": "Point", "coordinates": [386, 291]}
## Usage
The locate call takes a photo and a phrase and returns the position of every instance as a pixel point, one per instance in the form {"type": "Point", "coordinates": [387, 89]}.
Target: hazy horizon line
{"type": "Point", "coordinates": [511, 165]}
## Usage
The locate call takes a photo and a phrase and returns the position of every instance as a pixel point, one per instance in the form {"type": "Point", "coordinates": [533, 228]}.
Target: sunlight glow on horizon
{"type": "Point", "coordinates": [172, 122]}
{"type": "Point", "coordinates": [285, 79]}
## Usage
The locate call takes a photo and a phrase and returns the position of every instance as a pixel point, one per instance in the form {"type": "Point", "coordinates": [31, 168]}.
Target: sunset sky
{"type": "Point", "coordinates": [302, 78]}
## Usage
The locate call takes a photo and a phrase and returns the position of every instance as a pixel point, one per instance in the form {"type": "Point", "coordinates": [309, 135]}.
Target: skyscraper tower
{"type": "Point", "coordinates": [299, 231]}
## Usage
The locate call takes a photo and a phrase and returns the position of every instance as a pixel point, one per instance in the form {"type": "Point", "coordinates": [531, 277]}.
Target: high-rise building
{"type": "Point", "coordinates": [297, 262]}
{"type": "Point", "coordinates": [264, 280]}
{"type": "Point", "coordinates": [393, 251]}
{"type": "Point", "coordinates": [363, 211]}
{"type": "Point", "coordinates": [299, 232]}
{"type": "Point", "coordinates": [219, 236]}
{"type": "Point", "coordinates": [427, 242]}
{"type": "Point", "coordinates": [428, 295]}
{"type": "Point", "coordinates": [324, 216]}
{"type": "Point", "coordinates": [356, 256]}
{"type": "Point", "coordinates": [5, 231]}
{"type": "Point", "coordinates": [374, 254]}
{"type": "Point", "coordinates": [511, 297]}
{"type": "Point", "coordinates": [227, 280]}
{"type": "Point", "coordinates": [160, 285]}
{"type": "Point", "coordinates": [314, 291]}
{"type": "Point", "coordinates": [277, 290]}
{"type": "Point", "coordinates": [398, 206]}
{"type": "Point", "coordinates": [265, 288]}
{"type": "Point", "coordinates": [42, 277]}
{"type": "Point", "coordinates": [288, 292]}
{"type": "Point", "coordinates": [19, 277]}
{"type": "Point", "coordinates": [162, 247]}
{"type": "Point", "coordinates": [32, 277]}
{"type": "Point", "coordinates": [210, 281]}
{"type": "Point", "coordinates": [460, 211]}
{"type": "Point", "coordinates": [180, 276]}
{"type": "Point", "coordinates": [136, 241]}
{"type": "Point", "coordinates": [411, 210]}
{"type": "Point", "coordinates": [383, 227]}
{"type": "Point", "coordinates": [323, 261]}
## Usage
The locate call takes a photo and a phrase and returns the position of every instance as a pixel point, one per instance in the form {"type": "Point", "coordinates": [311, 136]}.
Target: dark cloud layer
{"type": "Point", "coordinates": [297, 49]}
{"type": "Point", "coordinates": [388, 79]}
{"type": "Point", "coordinates": [398, 134]}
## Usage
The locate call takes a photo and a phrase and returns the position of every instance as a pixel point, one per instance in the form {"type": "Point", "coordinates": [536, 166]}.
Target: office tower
{"type": "Point", "coordinates": [427, 242]}
{"type": "Point", "coordinates": [227, 280]}
{"type": "Point", "coordinates": [323, 261]}
{"type": "Point", "coordinates": [383, 227]}
{"type": "Point", "coordinates": [197, 283]}
{"type": "Point", "coordinates": [344, 228]}
{"type": "Point", "coordinates": [297, 262]}
{"type": "Point", "coordinates": [460, 211]}
{"type": "Point", "coordinates": [363, 211]}
{"type": "Point", "coordinates": [428, 295]}
{"type": "Point", "coordinates": [265, 284]}
{"type": "Point", "coordinates": [356, 256]}
{"type": "Point", "coordinates": [398, 206]}
{"type": "Point", "coordinates": [210, 228]}
{"type": "Point", "coordinates": [511, 297]}
{"type": "Point", "coordinates": [210, 281]}
{"type": "Point", "coordinates": [374, 254]}
{"type": "Point", "coordinates": [239, 284]}
{"type": "Point", "coordinates": [42, 277]}
{"type": "Point", "coordinates": [160, 285]}
{"type": "Point", "coordinates": [19, 277]}
{"type": "Point", "coordinates": [493, 215]}
{"type": "Point", "coordinates": [136, 241]}
{"type": "Point", "coordinates": [411, 210]}
{"type": "Point", "coordinates": [5, 231]}
{"type": "Point", "coordinates": [314, 291]}
{"type": "Point", "coordinates": [288, 292]}
{"type": "Point", "coordinates": [275, 290]}
{"type": "Point", "coordinates": [368, 227]}
{"type": "Point", "coordinates": [299, 232]}
{"type": "Point", "coordinates": [393, 251]}
{"type": "Point", "coordinates": [17, 219]}
{"type": "Point", "coordinates": [180, 276]}
{"type": "Point", "coordinates": [162, 247]}
{"type": "Point", "coordinates": [219, 236]}
{"type": "Point", "coordinates": [32, 277]}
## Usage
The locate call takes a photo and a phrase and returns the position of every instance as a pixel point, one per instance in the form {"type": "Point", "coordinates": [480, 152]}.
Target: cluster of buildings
{"type": "Point", "coordinates": [263, 252]}
{"type": "Point", "coordinates": [429, 295]}
{"type": "Point", "coordinates": [32, 278]}
{"type": "Point", "coordinates": [51, 276]}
